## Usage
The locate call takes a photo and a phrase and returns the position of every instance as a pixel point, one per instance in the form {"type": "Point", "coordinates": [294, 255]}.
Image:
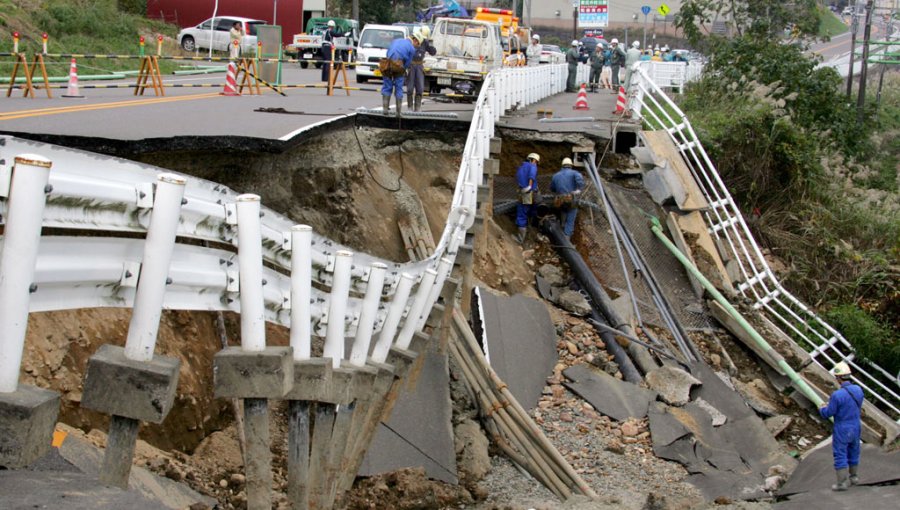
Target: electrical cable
{"type": "Point", "coordinates": [429, 457]}
{"type": "Point", "coordinates": [369, 167]}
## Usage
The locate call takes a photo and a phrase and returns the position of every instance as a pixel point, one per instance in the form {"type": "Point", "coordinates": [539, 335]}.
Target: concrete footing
{"type": "Point", "coordinates": [130, 392]}
{"type": "Point", "coordinates": [27, 418]}
{"type": "Point", "coordinates": [255, 376]}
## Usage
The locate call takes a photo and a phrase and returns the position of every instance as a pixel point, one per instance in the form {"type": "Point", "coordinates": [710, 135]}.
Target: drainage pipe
{"type": "Point", "coordinates": [732, 311]}
{"type": "Point", "coordinates": [599, 298]}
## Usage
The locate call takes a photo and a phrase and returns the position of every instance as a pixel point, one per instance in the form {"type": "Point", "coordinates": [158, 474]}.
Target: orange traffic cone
{"type": "Point", "coordinates": [581, 100]}
{"type": "Point", "coordinates": [621, 101]}
{"type": "Point", "coordinates": [230, 84]}
{"type": "Point", "coordinates": [72, 89]}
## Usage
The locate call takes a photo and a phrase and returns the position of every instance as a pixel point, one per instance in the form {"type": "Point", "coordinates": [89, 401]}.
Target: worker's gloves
{"type": "Point", "coordinates": [526, 189]}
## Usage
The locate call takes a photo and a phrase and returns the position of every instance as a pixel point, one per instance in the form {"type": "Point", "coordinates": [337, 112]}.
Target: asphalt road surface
{"type": "Point", "coordinates": [116, 113]}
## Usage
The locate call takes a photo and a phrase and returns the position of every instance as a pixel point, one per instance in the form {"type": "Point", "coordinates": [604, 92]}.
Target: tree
{"type": "Point", "coordinates": [760, 19]}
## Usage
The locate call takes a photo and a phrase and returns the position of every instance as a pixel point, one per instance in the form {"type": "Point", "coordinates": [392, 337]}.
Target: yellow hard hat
{"type": "Point", "coordinates": [841, 369]}
{"type": "Point", "coordinates": [566, 162]}
{"type": "Point", "coordinates": [534, 156]}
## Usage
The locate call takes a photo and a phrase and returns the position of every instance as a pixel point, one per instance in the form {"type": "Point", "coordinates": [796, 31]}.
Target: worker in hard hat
{"type": "Point", "coordinates": [526, 179]}
{"type": "Point", "coordinates": [844, 406]}
{"type": "Point", "coordinates": [616, 61]}
{"type": "Point", "coordinates": [327, 44]}
{"type": "Point", "coordinates": [534, 50]}
{"type": "Point", "coordinates": [566, 185]}
{"type": "Point", "coordinates": [632, 56]}
{"type": "Point", "coordinates": [393, 69]}
{"type": "Point", "coordinates": [415, 86]}
{"type": "Point", "coordinates": [572, 58]}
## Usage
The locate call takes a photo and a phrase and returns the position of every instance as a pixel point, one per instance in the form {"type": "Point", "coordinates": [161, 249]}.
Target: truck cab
{"type": "Point", "coordinates": [467, 50]}
{"type": "Point", "coordinates": [307, 45]}
{"type": "Point", "coordinates": [373, 45]}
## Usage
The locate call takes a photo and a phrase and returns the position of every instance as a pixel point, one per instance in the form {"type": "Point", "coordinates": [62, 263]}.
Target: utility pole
{"type": "Point", "coordinates": [354, 11]}
{"type": "Point", "coordinates": [574, 20]}
{"type": "Point", "coordinates": [515, 7]}
{"type": "Point", "coordinates": [644, 44]}
{"type": "Point", "coordinates": [861, 100]}
{"type": "Point", "coordinates": [854, 21]}
{"type": "Point", "coordinates": [528, 10]}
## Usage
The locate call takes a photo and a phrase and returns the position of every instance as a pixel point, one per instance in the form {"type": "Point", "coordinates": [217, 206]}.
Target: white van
{"type": "Point", "coordinates": [373, 44]}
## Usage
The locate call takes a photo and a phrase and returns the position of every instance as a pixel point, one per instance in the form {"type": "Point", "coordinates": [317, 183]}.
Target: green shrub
{"type": "Point", "coordinates": [872, 339]}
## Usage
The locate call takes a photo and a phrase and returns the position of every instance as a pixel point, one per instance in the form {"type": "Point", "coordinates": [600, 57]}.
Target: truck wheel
{"type": "Point", "coordinates": [318, 66]}
{"type": "Point", "coordinates": [188, 43]}
{"type": "Point", "coordinates": [304, 65]}
{"type": "Point", "coordinates": [361, 79]}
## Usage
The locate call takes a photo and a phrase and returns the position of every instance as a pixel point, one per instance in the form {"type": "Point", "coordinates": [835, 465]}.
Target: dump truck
{"type": "Point", "coordinates": [307, 45]}
{"type": "Point", "coordinates": [467, 50]}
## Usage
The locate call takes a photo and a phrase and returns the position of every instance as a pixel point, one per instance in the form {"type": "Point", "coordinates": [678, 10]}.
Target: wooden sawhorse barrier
{"type": "Point", "coordinates": [28, 89]}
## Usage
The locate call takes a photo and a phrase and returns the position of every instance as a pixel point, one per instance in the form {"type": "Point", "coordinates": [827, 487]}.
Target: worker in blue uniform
{"type": "Point", "coordinates": [526, 179]}
{"type": "Point", "coordinates": [844, 406]}
{"type": "Point", "coordinates": [393, 69]}
{"type": "Point", "coordinates": [566, 185]}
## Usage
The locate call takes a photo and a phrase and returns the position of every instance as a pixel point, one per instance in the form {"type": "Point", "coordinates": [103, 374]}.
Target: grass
{"type": "Point", "coordinates": [82, 26]}
{"type": "Point", "coordinates": [830, 25]}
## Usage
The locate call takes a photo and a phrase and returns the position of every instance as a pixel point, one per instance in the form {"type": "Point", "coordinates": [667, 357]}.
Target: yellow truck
{"type": "Point", "coordinates": [514, 38]}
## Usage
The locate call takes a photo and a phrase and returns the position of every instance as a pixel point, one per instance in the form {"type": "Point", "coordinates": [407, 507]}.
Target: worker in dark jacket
{"type": "Point", "coordinates": [573, 56]}
{"type": "Point", "coordinates": [327, 44]}
{"type": "Point", "coordinates": [566, 185]}
{"type": "Point", "coordinates": [416, 79]}
{"type": "Point", "coordinates": [394, 67]}
{"type": "Point", "coordinates": [526, 179]}
{"type": "Point", "coordinates": [844, 406]}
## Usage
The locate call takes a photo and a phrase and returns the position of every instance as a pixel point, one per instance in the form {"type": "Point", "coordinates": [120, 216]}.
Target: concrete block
{"type": "Point", "coordinates": [342, 387]}
{"type": "Point", "coordinates": [482, 193]}
{"type": "Point", "coordinates": [491, 167]}
{"type": "Point", "coordinates": [674, 173]}
{"type": "Point", "coordinates": [464, 256]}
{"type": "Point", "coordinates": [27, 418]}
{"type": "Point", "coordinates": [312, 379]}
{"type": "Point", "coordinates": [141, 390]}
{"type": "Point", "coordinates": [401, 360]}
{"type": "Point", "coordinates": [262, 374]}
{"type": "Point", "coordinates": [364, 382]}
{"type": "Point", "coordinates": [496, 145]}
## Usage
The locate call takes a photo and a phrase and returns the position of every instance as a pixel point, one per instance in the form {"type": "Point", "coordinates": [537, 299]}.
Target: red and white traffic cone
{"type": "Point", "coordinates": [621, 102]}
{"type": "Point", "coordinates": [72, 89]}
{"type": "Point", "coordinates": [230, 84]}
{"type": "Point", "coordinates": [581, 100]}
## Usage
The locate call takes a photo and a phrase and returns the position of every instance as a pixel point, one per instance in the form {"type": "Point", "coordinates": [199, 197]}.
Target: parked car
{"type": "Point", "coordinates": [373, 44]}
{"type": "Point", "coordinates": [552, 54]}
{"type": "Point", "coordinates": [847, 11]}
{"type": "Point", "coordinates": [217, 29]}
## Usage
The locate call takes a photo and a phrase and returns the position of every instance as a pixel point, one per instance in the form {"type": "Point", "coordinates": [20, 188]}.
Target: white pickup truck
{"type": "Point", "coordinates": [308, 46]}
{"type": "Point", "coordinates": [467, 50]}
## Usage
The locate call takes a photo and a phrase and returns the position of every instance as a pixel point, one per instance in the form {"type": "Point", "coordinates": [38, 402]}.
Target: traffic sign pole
{"type": "Point", "coordinates": [646, 10]}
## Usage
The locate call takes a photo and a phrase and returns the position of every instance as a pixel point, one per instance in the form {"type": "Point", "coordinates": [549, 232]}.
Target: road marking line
{"type": "Point", "coordinates": [100, 106]}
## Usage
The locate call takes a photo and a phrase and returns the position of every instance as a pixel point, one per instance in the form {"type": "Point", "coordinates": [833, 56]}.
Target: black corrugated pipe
{"type": "Point", "coordinates": [600, 302]}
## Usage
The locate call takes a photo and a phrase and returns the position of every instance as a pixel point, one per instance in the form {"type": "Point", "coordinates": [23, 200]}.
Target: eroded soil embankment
{"type": "Point", "coordinates": [349, 186]}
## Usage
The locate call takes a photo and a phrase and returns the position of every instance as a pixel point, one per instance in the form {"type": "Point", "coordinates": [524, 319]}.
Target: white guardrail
{"type": "Point", "coordinates": [648, 102]}
{"type": "Point", "coordinates": [307, 279]}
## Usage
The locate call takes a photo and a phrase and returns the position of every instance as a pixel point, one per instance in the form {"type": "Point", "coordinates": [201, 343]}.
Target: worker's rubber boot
{"type": "Point", "coordinates": [520, 237]}
{"type": "Point", "coordinates": [386, 105]}
{"type": "Point", "coordinates": [418, 106]}
{"type": "Point", "coordinates": [843, 480]}
{"type": "Point", "coordinates": [854, 475]}
{"type": "Point", "coordinates": [399, 106]}
{"type": "Point", "coordinates": [409, 102]}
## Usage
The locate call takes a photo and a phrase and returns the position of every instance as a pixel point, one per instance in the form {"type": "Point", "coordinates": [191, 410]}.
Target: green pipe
{"type": "Point", "coordinates": [207, 70]}
{"type": "Point", "coordinates": [65, 79]}
{"type": "Point", "coordinates": [760, 341]}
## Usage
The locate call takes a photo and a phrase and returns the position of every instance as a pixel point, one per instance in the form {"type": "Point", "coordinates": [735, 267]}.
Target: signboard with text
{"type": "Point", "coordinates": [593, 13]}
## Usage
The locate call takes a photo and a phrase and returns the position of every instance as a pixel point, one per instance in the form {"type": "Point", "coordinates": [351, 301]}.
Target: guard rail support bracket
{"type": "Point", "coordinates": [131, 270]}
{"type": "Point", "coordinates": [286, 241]}
{"type": "Point", "coordinates": [5, 178]}
{"type": "Point", "coordinates": [232, 282]}
{"type": "Point", "coordinates": [230, 213]}
{"type": "Point", "coordinates": [144, 195]}
{"type": "Point", "coordinates": [285, 299]}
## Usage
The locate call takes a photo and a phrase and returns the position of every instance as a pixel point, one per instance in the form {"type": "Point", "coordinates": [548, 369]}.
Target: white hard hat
{"type": "Point", "coordinates": [534, 156]}
{"type": "Point", "coordinates": [566, 162]}
{"type": "Point", "coordinates": [426, 32]}
{"type": "Point", "coordinates": [418, 36]}
{"type": "Point", "coordinates": [574, 43]}
{"type": "Point", "coordinates": [331, 23]}
{"type": "Point", "coordinates": [536, 37]}
{"type": "Point", "coordinates": [614, 41]}
{"type": "Point", "coordinates": [636, 44]}
{"type": "Point", "coordinates": [841, 369]}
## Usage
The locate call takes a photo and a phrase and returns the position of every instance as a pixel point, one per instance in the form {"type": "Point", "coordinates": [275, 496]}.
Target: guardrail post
{"type": "Point", "coordinates": [253, 371]}
{"type": "Point", "coordinates": [410, 327]}
{"type": "Point", "coordinates": [27, 413]}
{"type": "Point", "coordinates": [131, 384]}
{"type": "Point", "coordinates": [337, 310]}
{"type": "Point", "coordinates": [392, 320]}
